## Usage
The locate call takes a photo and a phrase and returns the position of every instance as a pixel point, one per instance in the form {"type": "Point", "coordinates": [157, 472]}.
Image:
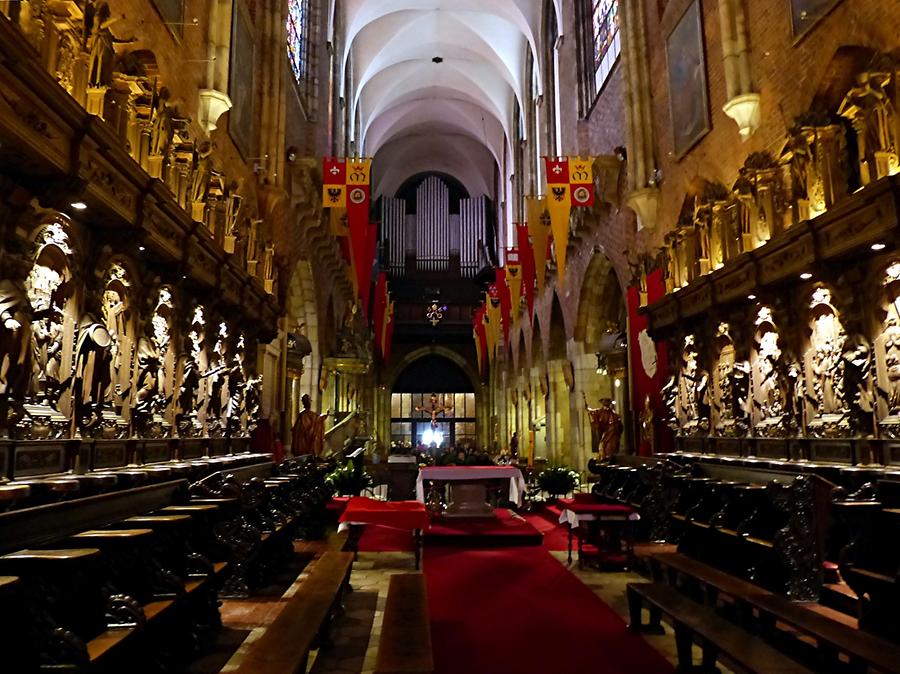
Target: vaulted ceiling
{"type": "Point", "coordinates": [456, 116]}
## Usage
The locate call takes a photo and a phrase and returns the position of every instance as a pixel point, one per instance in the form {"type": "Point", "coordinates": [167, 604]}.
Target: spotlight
{"type": "Point", "coordinates": [806, 276]}
{"type": "Point", "coordinates": [751, 296]}
{"type": "Point", "coordinates": [142, 248]}
{"type": "Point", "coordinates": [878, 246]}
{"type": "Point", "coordinates": [78, 205]}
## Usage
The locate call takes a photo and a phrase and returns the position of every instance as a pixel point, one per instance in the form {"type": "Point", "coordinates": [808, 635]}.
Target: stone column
{"type": "Point", "coordinates": [643, 195]}
{"type": "Point", "coordinates": [743, 104]}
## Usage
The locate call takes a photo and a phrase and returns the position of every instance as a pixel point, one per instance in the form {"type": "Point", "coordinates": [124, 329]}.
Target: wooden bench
{"type": "Point", "coordinates": [757, 606]}
{"type": "Point", "coordinates": [695, 622]}
{"type": "Point", "coordinates": [405, 643]}
{"type": "Point", "coordinates": [304, 621]}
{"type": "Point", "coordinates": [832, 637]}
{"type": "Point", "coordinates": [713, 582]}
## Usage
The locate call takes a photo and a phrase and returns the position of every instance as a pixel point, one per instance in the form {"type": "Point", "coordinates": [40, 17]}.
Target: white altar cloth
{"type": "Point", "coordinates": [473, 474]}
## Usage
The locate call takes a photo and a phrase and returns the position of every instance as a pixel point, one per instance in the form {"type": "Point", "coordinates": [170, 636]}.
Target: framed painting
{"type": "Point", "coordinates": [688, 96]}
{"type": "Point", "coordinates": [240, 80]}
{"type": "Point", "coordinates": [805, 14]}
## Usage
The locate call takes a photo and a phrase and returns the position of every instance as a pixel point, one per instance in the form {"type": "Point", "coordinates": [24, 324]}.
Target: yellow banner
{"type": "Point", "coordinates": [478, 353]}
{"type": "Point", "coordinates": [581, 171]}
{"type": "Point", "coordinates": [535, 207]}
{"type": "Point", "coordinates": [559, 206]}
{"type": "Point", "coordinates": [388, 315]}
{"type": "Point", "coordinates": [338, 221]}
{"type": "Point", "coordinates": [492, 317]}
{"type": "Point", "coordinates": [358, 171]}
{"type": "Point", "coordinates": [334, 196]}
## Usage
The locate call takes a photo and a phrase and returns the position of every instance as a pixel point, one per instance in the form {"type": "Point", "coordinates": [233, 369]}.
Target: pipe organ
{"type": "Point", "coordinates": [430, 236]}
{"type": "Point", "coordinates": [472, 214]}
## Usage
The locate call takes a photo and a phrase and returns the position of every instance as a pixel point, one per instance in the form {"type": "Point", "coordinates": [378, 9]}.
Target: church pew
{"type": "Point", "coordinates": [13, 631]}
{"type": "Point", "coordinates": [171, 618]}
{"type": "Point", "coordinates": [11, 494]}
{"type": "Point", "coordinates": [870, 562]}
{"type": "Point", "coordinates": [404, 646]}
{"type": "Point", "coordinates": [305, 621]}
{"type": "Point", "coordinates": [68, 621]}
{"type": "Point", "coordinates": [760, 610]}
{"type": "Point", "coordinates": [694, 622]}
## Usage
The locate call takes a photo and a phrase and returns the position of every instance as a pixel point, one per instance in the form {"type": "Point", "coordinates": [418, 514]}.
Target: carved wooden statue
{"type": "Point", "coordinates": [93, 362]}
{"type": "Point", "coordinates": [15, 353]}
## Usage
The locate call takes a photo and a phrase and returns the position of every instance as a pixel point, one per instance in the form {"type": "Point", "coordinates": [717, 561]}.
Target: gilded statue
{"type": "Point", "coordinates": [201, 171]}
{"type": "Point", "coordinates": [869, 108]}
{"type": "Point", "coordinates": [99, 41]}
{"type": "Point", "coordinates": [606, 427]}
{"type": "Point", "coordinates": [161, 128]}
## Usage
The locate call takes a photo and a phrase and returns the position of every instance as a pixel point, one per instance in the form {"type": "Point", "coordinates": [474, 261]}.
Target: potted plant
{"type": "Point", "coordinates": [347, 481]}
{"type": "Point", "coordinates": [558, 481]}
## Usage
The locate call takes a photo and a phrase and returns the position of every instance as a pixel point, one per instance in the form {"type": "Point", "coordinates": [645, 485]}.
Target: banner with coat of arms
{"type": "Point", "coordinates": [570, 183]}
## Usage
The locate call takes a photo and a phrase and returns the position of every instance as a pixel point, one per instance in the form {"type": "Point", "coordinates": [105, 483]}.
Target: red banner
{"type": "Point", "coordinates": [364, 275]}
{"type": "Point", "coordinates": [358, 224]}
{"type": "Point", "coordinates": [526, 257]}
{"type": "Point", "coordinates": [649, 366]}
{"type": "Point", "coordinates": [505, 302]}
{"type": "Point", "coordinates": [379, 312]}
{"type": "Point", "coordinates": [480, 336]}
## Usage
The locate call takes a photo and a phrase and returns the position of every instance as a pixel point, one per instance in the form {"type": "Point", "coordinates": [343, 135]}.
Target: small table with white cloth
{"type": "Point", "coordinates": [611, 521]}
{"type": "Point", "coordinates": [468, 489]}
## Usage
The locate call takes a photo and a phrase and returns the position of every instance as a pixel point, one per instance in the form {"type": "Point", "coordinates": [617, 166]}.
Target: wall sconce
{"type": "Point", "coordinates": [601, 364]}
{"type": "Point", "coordinates": [744, 110]}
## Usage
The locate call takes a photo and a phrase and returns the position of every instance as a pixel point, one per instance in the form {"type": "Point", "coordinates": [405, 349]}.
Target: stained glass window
{"type": "Point", "coordinates": [298, 37]}
{"type": "Point", "coordinates": [607, 44]}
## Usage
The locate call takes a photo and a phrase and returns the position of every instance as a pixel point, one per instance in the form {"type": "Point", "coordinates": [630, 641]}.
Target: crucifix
{"type": "Point", "coordinates": [435, 409]}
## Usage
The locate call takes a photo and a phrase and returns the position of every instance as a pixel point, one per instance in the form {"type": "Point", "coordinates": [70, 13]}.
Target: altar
{"type": "Point", "coordinates": [468, 488]}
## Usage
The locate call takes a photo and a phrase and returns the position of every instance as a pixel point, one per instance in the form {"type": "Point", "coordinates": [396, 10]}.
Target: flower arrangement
{"type": "Point", "coordinates": [347, 481]}
{"type": "Point", "coordinates": [558, 480]}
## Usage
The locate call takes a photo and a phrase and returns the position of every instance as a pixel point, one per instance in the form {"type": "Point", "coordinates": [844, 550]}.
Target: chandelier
{"type": "Point", "coordinates": [435, 312]}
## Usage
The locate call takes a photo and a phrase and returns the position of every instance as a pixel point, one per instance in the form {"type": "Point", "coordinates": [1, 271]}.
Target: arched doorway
{"type": "Point", "coordinates": [434, 385]}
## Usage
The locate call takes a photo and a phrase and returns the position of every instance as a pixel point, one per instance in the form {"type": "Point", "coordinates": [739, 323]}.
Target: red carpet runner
{"type": "Point", "coordinates": [518, 610]}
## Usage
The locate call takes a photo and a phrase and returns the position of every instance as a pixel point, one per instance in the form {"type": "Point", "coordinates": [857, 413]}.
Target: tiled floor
{"type": "Point", "coordinates": [357, 632]}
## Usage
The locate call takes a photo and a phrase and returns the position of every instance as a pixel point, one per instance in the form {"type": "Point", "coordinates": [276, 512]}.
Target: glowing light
{"type": "Point", "coordinates": [78, 205]}
{"type": "Point", "coordinates": [432, 436]}
{"type": "Point", "coordinates": [806, 276]}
